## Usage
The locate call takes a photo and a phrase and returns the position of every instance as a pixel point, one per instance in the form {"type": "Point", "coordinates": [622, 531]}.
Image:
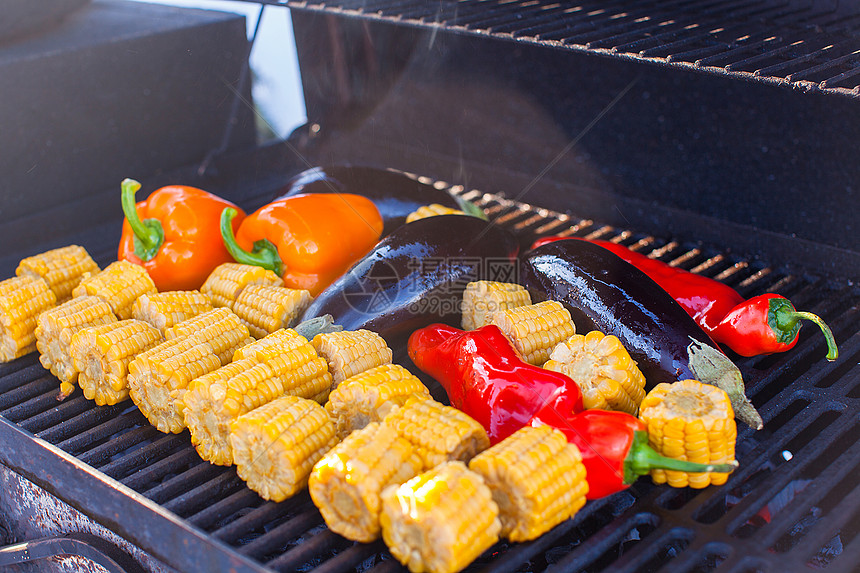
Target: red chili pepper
{"type": "Point", "coordinates": [764, 324]}
{"type": "Point", "coordinates": [485, 377]}
{"type": "Point", "coordinates": [614, 448]}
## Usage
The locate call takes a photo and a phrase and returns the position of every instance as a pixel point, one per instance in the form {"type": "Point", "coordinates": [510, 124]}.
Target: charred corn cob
{"type": "Point", "coordinates": [159, 377]}
{"type": "Point", "coordinates": [222, 320]}
{"type": "Point", "coordinates": [535, 329]}
{"type": "Point", "coordinates": [227, 281]}
{"type": "Point", "coordinates": [346, 483]}
{"type": "Point", "coordinates": [213, 401]}
{"type": "Point", "coordinates": [102, 353]}
{"type": "Point", "coordinates": [691, 421]}
{"type": "Point", "coordinates": [267, 308]}
{"type": "Point", "coordinates": [438, 433]}
{"type": "Point", "coordinates": [431, 210]}
{"type": "Point", "coordinates": [22, 299]}
{"type": "Point", "coordinates": [441, 520]}
{"type": "Point", "coordinates": [608, 377]}
{"type": "Point", "coordinates": [163, 310]}
{"type": "Point", "coordinates": [61, 268]}
{"type": "Point", "coordinates": [372, 395]}
{"type": "Point", "coordinates": [537, 479]}
{"type": "Point", "coordinates": [55, 328]}
{"type": "Point", "coordinates": [351, 352]}
{"type": "Point", "coordinates": [276, 445]}
{"type": "Point", "coordinates": [119, 285]}
{"type": "Point", "coordinates": [482, 299]}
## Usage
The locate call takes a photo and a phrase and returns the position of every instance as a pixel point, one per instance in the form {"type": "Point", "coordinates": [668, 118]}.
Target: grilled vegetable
{"type": "Point", "coordinates": [54, 330]}
{"type": "Point", "coordinates": [535, 329]}
{"type": "Point", "coordinates": [102, 353]}
{"type": "Point", "coordinates": [308, 240]}
{"type": "Point", "coordinates": [351, 352]}
{"type": "Point", "coordinates": [416, 276]}
{"type": "Point", "coordinates": [603, 370]}
{"type": "Point", "coordinates": [441, 520]}
{"type": "Point", "coordinates": [226, 282]}
{"type": "Point", "coordinates": [175, 234]}
{"type": "Point", "coordinates": [608, 294]}
{"type": "Point", "coordinates": [267, 308]}
{"type": "Point", "coordinates": [276, 445]}
{"type": "Point", "coordinates": [22, 300]}
{"type": "Point", "coordinates": [432, 210]}
{"type": "Point", "coordinates": [372, 395]}
{"type": "Point", "coordinates": [119, 285]}
{"type": "Point", "coordinates": [485, 377]}
{"type": "Point", "coordinates": [61, 268]}
{"type": "Point", "coordinates": [537, 479]}
{"type": "Point", "coordinates": [691, 421]}
{"type": "Point", "coordinates": [218, 321]}
{"type": "Point", "coordinates": [164, 310]}
{"type": "Point", "coordinates": [347, 482]}
{"type": "Point", "coordinates": [482, 299]}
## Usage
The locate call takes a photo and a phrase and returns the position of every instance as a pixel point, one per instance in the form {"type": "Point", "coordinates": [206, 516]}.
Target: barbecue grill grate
{"type": "Point", "coordinates": [793, 505]}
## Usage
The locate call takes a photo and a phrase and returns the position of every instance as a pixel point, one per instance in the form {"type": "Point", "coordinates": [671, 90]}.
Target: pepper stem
{"type": "Point", "coordinates": [642, 458]}
{"type": "Point", "coordinates": [148, 233]}
{"type": "Point", "coordinates": [264, 254]}
{"type": "Point", "coordinates": [318, 325]}
{"type": "Point", "coordinates": [787, 317]}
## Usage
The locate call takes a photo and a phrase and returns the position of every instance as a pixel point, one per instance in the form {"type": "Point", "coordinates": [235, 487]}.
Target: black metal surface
{"type": "Point", "coordinates": [90, 547]}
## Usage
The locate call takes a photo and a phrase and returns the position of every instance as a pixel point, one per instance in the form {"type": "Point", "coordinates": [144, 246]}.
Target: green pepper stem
{"type": "Point", "coordinates": [265, 253]}
{"type": "Point", "coordinates": [148, 233]}
{"type": "Point", "coordinates": [787, 317]}
{"type": "Point", "coordinates": [318, 325]}
{"type": "Point", "coordinates": [642, 458]}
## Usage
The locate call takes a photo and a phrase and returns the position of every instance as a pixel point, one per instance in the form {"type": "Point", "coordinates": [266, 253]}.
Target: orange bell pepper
{"type": "Point", "coordinates": [309, 240]}
{"type": "Point", "coordinates": [175, 234]}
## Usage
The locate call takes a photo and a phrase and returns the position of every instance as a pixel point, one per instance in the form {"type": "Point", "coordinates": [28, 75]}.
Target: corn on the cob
{"type": "Point", "coordinates": [438, 433]}
{"type": "Point", "coordinates": [346, 483]}
{"type": "Point", "coordinates": [55, 328]}
{"type": "Point", "coordinates": [102, 353]}
{"type": "Point", "coordinates": [276, 445]}
{"type": "Point", "coordinates": [482, 299]}
{"type": "Point", "coordinates": [431, 210]}
{"type": "Point", "coordinates": [163, 310]}
{"type": "Point", "coordinates": [223, 320]}
{"type": "Point", "coordinates": [215, 400]}
{"type": "Point", "coordinates": [22, 300]}
{"type": "Point", "coordinates": [276, 343]}
{"type": "Point", "coordinates": [441, 520]}
{"type": "Point", "coordinates": [372, 395]}
{"type": "Point", "coordinates": [351, 352]}
{"type": "Point", "coordinates": [537, 479]}
{"type": "Point", "coordinates": [691, 421]}
{"type": "Point", "coordinates": [535, 329]}
{"type": "Point", "coordinates": [603, 369]}
{"type": "Point", "coordinates": [226, 282]}
{"type": "Point", "coordinates": [159, 377]}
{"type": "Point", "coordinates": [61, 268]}
{"type": "Point", "coordinates": [119, 285]}
{"type": "Point", "coordinates": [267, 308]}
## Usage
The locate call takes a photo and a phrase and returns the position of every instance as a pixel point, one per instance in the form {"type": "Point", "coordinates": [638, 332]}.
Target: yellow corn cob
{"type": "Point", "coordinates": [163, 310]}
{"type": "Point", "coordinates": [537, 479]}
{"type": "Point", "coordinates": [441, 520]}
{"type": "Point", "coordinates": [351, 352]}
{"type": "Point", "coordinates": [603, 369]}
{"type": "Point", "coordinates": [102, 353]}
{"type": "Point", "coordinates": [535, 329]}
{"type": "Point", "coordinates": [55, 328]}
{"type": "Point", "coordinates": [22, 299]}
{"type": "Point", "coordinates": [215, 400]}
{"type": "Point", "coordinates": [431, 210]}
{"type": "Point", "coordinates": [276, 343]}
{"type": "Point", "coordinates": [267, 308]}
{"type": "Point", "coordinates": [61, 268]}
{"type": "Point", "coordinates": [276, 445]}
{"type": "Point", "coordinates": [346, 483]}
{"type": "Point", "coordinates": [226, 282]}
{"type": "Point", "coordinates": [119, 285]}
{"type": "Point", "coordinates": [159, 377]}
{"type": "Point", "coordinates": [482, 299]}
{"type": "Point", "coordinates": [224, 321]}
{"type": "Point", "coordinates": [372, 395]}
{"type": "Point", "coordinates": [691, 421]}
{"type": "Point", "coordinates": [438, 433]}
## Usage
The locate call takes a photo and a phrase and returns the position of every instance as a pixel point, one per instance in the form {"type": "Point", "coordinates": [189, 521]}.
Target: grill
{"type": "Point", "coordinates": [794, 503]}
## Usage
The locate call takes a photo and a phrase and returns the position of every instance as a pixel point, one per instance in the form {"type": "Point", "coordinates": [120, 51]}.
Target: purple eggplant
{"type": "Point", "coordinates": [603, 292]}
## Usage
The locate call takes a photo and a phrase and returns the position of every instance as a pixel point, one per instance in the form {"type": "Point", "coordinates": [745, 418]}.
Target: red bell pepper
{"type": "Point", "coordinates": [764, 324]}
{"type": "Point", "coordinates": [485, 377]}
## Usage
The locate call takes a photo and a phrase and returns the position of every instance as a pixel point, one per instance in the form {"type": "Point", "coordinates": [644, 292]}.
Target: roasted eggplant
{"type": "Point", "coordinates": [606, 293]}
